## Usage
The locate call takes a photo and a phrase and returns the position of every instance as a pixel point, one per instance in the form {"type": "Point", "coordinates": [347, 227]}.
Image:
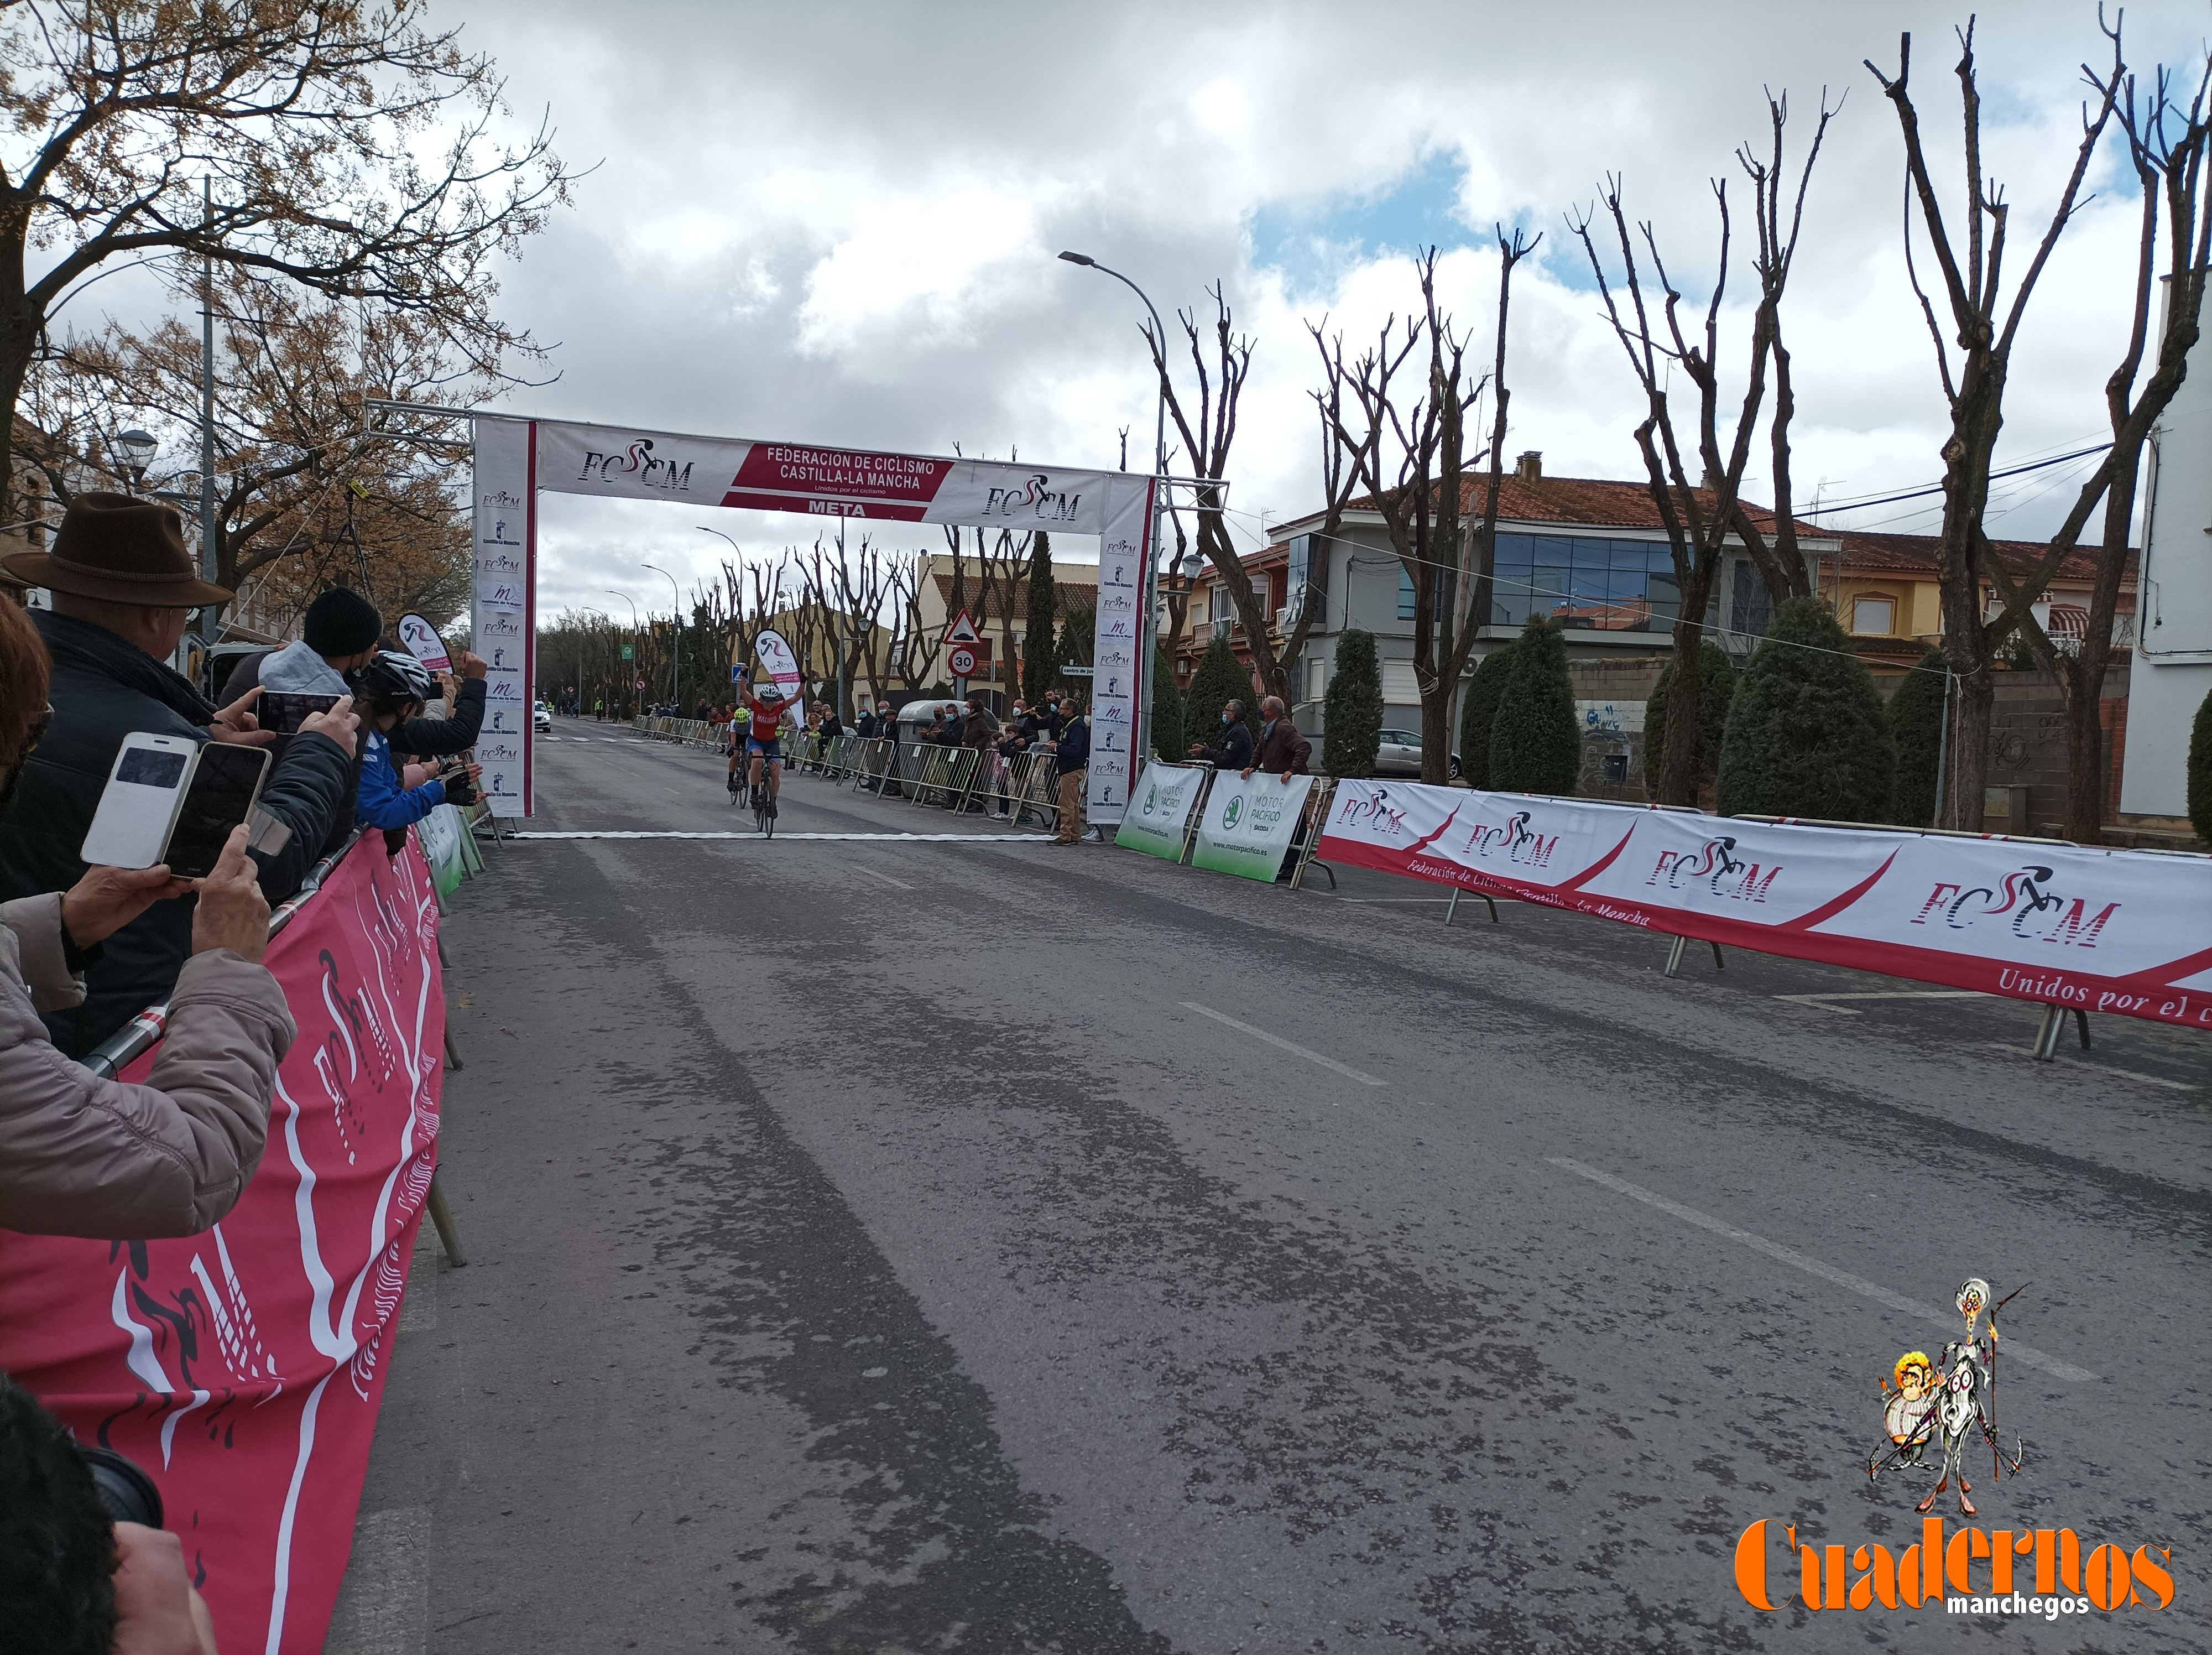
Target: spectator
{"type": "Point", "coordinates": [1283, 751]}
{"type": "Point", "coordinates": [979, 729]}
{"type": "Point", "coordinates": [338, 633]}
{"type": "Point", "coordinates": [123, 590]}
{"type": "Point", "coordinates": [1071, 758]}
{"type": "Point", "coordinates": [866, 724]}
{"type": "Point", "coordinates": [1233, 749]}
{"type": "Point", "coordinates": [956, 726]}
{"type": "Point", "coordinates": [392, 689]}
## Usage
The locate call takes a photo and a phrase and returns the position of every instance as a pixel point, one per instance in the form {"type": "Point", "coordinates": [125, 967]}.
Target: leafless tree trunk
{"type": "Point", "coordinates": [1975, 389]}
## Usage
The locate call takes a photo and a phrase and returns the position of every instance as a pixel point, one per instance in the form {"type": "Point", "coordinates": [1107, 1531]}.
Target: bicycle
{"type": "Point", "coordinates": [764, 809]}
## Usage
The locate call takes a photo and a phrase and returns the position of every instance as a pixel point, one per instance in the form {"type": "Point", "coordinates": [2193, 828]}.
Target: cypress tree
{"type": "Point", "coordinates": [1353, 708]}
{"type": "Point", "coordinates": [1915, 725]}
{"type": "Point", "coordinates": [1478, 710]}
{"type": "Point", "coordinates": [1168, 739]}
{"type": "Point", "coordinates": [2200, 771]}
{"type": "Point", "coordinates": [1220, 679]}
{"type": "Point", "coordinates": [1535, 746]}
{"type": "Point", "coordinates": [1808, 734]}
{"type": "Point", "coordinates": [1076, 635]}
{"type": "Point", "coordinates": [1717, 677]}
{"type": "Point", "coordinates": [1040, 664]}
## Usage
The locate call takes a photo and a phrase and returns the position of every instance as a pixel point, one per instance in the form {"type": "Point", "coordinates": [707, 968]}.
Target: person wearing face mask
{"type": "Point", "coordinates": [1231, 749]}
{"type": "Point", "coordinates": [83, 1156]}
{"type": "Point", "coordinates": [123, 590]}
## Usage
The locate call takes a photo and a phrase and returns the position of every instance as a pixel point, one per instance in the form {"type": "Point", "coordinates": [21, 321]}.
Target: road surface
{"type": "Point", "coordinates": [886, 1245]}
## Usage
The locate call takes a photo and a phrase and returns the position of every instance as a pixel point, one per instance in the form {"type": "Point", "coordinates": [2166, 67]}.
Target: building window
{"type": "Point", "coordinates": [1753, 605]}
{"type": "Point", "coordinates": [1405, 593]}
{"type": "Point", "coordinates": [1316, 678]}
{"type": "Point", "coordinates": [1582, 582]}
{"type": "Point", "coordinates": [1874, 618]}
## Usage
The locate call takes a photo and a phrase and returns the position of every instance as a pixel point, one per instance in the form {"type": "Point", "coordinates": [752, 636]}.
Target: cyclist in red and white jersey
{"type": "Point", "coordinates": [764, 739]}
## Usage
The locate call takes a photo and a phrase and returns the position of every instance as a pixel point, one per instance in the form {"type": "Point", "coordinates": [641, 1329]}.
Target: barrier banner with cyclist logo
{"type": "Point", "coordinates": [2128, 933]}
{"type": "Point", "coordinates": [1247, 826]}
{"type": "Point", "coordinates": [241, 1369]}
{"type": "Point", "coordinates": [1159, 809]}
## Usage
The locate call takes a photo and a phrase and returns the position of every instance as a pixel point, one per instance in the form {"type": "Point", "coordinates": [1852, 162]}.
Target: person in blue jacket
{"type": "Point", "coordinates": [394, 688]}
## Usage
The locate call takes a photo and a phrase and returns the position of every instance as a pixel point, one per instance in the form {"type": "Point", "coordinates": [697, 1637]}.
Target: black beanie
{"type": "Point", "coordinates": [341, 623]}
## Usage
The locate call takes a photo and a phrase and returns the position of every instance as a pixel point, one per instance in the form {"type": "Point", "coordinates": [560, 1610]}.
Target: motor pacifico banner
{"type": "Point", "coordinates": [1158, 821]}
{"type": "Point", "coordinates": [1248, 825]}
{"type": "Point", "coordinates": [2127, 932]}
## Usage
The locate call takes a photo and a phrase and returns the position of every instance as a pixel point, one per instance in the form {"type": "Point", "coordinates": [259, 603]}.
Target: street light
{"type": "Point", "coordinates": [676, 667]}
{"type": "Point", "coordinates": [1148, 628]}
{"type": "Point", "coordinates": [634, 663]}
{"type": "Point", "coordinates": [139, 448]}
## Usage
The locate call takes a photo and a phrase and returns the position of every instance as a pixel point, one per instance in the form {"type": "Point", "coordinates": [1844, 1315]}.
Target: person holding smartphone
{"type": "Point", "coordinates": [123, 589]}
{"type": "Point", "coordinates": [390, 691]}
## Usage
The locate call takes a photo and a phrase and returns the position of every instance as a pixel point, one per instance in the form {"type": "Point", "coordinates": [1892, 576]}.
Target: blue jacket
{"type": "Point", "coordinates": [384, 801]}
{"type": "Point", "coordinates": [1073, 751]}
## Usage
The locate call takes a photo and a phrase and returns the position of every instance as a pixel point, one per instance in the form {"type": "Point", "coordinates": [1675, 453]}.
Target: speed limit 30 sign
{"type": "Point", "coordinates": [962, 660]}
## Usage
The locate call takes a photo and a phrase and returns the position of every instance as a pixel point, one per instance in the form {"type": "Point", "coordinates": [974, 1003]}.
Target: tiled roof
{"type": "Point", "coordinates": [1588, 501]}
{"type": "Point", "coordinates": [1866, 553]}
{"type": "Point", "coordinates": [1068, 595]}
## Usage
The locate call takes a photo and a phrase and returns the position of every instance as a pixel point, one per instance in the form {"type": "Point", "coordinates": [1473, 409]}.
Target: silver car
{"type": "Point", "coordinates": [1400, 755]}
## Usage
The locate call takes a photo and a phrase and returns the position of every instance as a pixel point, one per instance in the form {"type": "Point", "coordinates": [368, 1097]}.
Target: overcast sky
{"type": "Point", "coordinates": [837, 224]}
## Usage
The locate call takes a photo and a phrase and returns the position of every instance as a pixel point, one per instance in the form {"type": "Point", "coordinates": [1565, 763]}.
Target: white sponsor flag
{"type": "Point", "coordinates": [783, 671]}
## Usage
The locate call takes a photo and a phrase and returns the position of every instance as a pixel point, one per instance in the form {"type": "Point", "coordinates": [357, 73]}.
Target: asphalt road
{"type": "Point", "coordinates": [885, 1245]}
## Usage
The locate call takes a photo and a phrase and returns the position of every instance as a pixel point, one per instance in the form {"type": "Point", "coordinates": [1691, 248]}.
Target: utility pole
{"type": "Point", "coordinates": [209, 616]}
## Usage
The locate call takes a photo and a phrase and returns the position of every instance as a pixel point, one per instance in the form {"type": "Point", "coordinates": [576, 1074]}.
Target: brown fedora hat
{"type": "Point", "coordinates": [122, 550]}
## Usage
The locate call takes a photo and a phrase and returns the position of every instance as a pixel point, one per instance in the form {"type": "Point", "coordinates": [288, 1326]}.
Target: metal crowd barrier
{"type": "Point", "coordinates": [685, 731]}
{"type": "Point", "coordinates": [1020, 789]}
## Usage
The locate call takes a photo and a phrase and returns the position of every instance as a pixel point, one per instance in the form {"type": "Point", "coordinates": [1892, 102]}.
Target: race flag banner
{"type": "Point", "coordinates": [783, 669]}
{"type": "Point", "coordinates": [241, 1369]}
{"type": "Point", "coordinates": [423, 642]}
{"type": "Point", "coordinates": [503, 616]}
{"type": "Point", "coordinates": [1246, 827]}
{"type": "Point", "coordinates": [1116, 716]}
{"type": "Point", "coordinates": [2128, 933]}
{"type": "Point", "coordinates": [1158, 820]}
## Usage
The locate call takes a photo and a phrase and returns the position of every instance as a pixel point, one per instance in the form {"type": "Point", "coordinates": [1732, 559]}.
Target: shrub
{"type": "Point", "coordinates": [1535, 746]}
{"type": "Point", "coordinates": [1168, 739]}
{"type": "Point", "coordinates": [1806, 735]}
{"type": "Point", "coordinates": [1478, 710]}
{"type": "Point", "coordinates": [2200, 771]}
{"type": "Point", "coordinates": [1220, 679]}
{"type": "Point", "coordinates": [1915, 725]}
{"type": "Point", "coordinates": [1039, 664]}
{"type": "Point", "coordinates": [1353, 730]}
{"type": "Point", "coordinates": [1717, 677]}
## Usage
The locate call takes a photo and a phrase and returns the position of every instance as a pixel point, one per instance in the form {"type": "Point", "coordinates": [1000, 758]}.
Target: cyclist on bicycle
{"type": "Point", "coordinates": [764, 739]}
{"type": "Point", "coordinates": [740, 721]}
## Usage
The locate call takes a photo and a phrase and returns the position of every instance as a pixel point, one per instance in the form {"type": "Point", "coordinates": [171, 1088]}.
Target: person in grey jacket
{"type": "Point", "coordinates": [83, 1156]}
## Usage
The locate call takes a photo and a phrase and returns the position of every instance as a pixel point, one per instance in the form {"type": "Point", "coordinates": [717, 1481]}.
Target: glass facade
{"type": "Point", "coordinates": [1582, 582]}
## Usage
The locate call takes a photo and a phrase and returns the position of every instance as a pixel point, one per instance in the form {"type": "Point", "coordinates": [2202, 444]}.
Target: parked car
{"type": "Point", "coordinates": [1400, 755]}
{"type": "Point", "coordinates": [541, 718]}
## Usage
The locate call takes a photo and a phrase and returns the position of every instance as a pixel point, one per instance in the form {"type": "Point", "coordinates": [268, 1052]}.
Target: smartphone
{"type": "Point", "coordinates": [224, 784]}
{"type": "Point", "coordinates": [145, 790]}
{"type": "Point", "coordinates": [284, 711]}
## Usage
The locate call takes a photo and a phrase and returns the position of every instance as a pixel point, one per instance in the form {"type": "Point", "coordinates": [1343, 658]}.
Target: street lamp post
{"type": "Point", "coordinates": [739, 552]}
{"type": "Point", "coordinates": [631, 671]}
{"type": "Point", "coordinates": [1148, 628]}
{"type": "Point", "coordinates": [676, 669]}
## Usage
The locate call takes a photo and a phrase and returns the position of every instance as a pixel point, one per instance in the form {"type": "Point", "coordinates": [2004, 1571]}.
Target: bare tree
{"type": "Point", "coordinates": [1412, 464]}
{"type": "Point", "coordinates": [1207, 440]}
{"type": "Point", "coordinates": [316, 124]}
{"type": "Point", "coordinates": [1700, 517]}
{"type": "Point", "coordinates": [1984, 326]}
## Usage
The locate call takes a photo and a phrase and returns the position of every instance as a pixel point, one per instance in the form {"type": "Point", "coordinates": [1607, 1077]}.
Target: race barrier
{"type": "Point", "coordinates": [686, 732]}
{"type": "Point", "coordinates": [242, 1368]}
{"type": "Point", "coordinates": [2070, 927]}
{"type": "Point", "coordinates": [1250, 828]}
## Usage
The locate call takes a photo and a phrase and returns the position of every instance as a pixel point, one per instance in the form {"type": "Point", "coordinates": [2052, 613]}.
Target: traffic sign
{"type": "Point", "coordinates": [628, 652]}
{"type": "Point", "coordinates": [962, 629]}
{"type": "Point", "coordinates": [961, 661]}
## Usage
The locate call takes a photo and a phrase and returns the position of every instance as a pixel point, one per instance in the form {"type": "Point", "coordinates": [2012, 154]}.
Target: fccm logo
{"type": "Point", "coordinates": [2034, 911]}
{"type": "Point", "coordinates": [500, 499]}
{"type": "Point", "coordinates": [1521, 843]}
{"type": "Point", "coordinates": [1715, 864]}
{"type": "Point", "coordinates": [502, 624]}
{"type": "Point", "coordinates": [1035, 498]}
{"type": "Point", "coordinates": [637, 462]}
{"type": "Point", "coordinates": [498, 753]}
{"type": "Point", "coordinates": [499, 563]}
{"type": "Point", "coordinates": [1373, 812]}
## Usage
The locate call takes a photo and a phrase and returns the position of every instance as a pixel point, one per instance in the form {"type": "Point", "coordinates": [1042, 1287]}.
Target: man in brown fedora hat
{"type": "Point", "coordinates": [123, 590]}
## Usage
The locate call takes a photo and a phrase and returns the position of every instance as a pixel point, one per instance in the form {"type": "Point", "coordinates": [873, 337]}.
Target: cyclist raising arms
{"type": "Point", "coordinates": [764, 739]}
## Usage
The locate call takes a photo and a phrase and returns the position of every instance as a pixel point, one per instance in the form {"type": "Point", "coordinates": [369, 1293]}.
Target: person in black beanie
{"type": "Point", "coordinates": [338, 633]}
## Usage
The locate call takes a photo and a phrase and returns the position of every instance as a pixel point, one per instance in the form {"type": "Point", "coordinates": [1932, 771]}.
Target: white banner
{"type": "Point", "coordinates": [2128, 933]}
{"type": "Point", "coordinates": [1248, 825]}
{"type": "Point", "coordinates": [421, 640]}
{"type": "Point", "coordinates": [503, 615]}
{"type": "Point", "coordinates": [1159, 809]}
{"type": "Point", "coordinates": [1116, 697]}
{"type": "Point", "coordinates": [783, 666]}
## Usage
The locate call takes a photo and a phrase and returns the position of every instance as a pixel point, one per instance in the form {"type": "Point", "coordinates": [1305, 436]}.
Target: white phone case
{"type": "Point", "coordinates": [132, 824]}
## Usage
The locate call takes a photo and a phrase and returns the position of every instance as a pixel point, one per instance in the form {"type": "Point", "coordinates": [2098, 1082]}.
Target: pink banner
{"type": "Point", "coordinates": [2128, 933]}
{"type": "Point", "coordinates": [242, 1368]}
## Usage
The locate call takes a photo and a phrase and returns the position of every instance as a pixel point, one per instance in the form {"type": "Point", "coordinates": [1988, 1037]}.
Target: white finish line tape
{"type": "Point", "coordinates": [1797, 1261]}
{"type": "Point", "coordinates": [911, 839]}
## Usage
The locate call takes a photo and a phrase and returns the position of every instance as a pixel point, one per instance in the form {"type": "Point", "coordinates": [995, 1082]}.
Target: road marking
{"type": "Point", "coordinates": [895, 838]}
{"type": "Point", "coordinates": [862, 867]}
{"type": "Point", "coordinates": [1296, 1051]}
{"type": "Point", "coordinates": [1797, 1261]}
{"type": "Point", "coordinates": [2094, 1067]}
{"type": "Point", "coordinates": [1820, 1002]}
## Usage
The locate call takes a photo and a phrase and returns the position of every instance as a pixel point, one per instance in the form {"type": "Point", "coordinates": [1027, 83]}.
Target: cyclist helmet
{"type": "Point", "coordinates": [391, 681]}
{"type": "Point", "coordinates": [772, 692]}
